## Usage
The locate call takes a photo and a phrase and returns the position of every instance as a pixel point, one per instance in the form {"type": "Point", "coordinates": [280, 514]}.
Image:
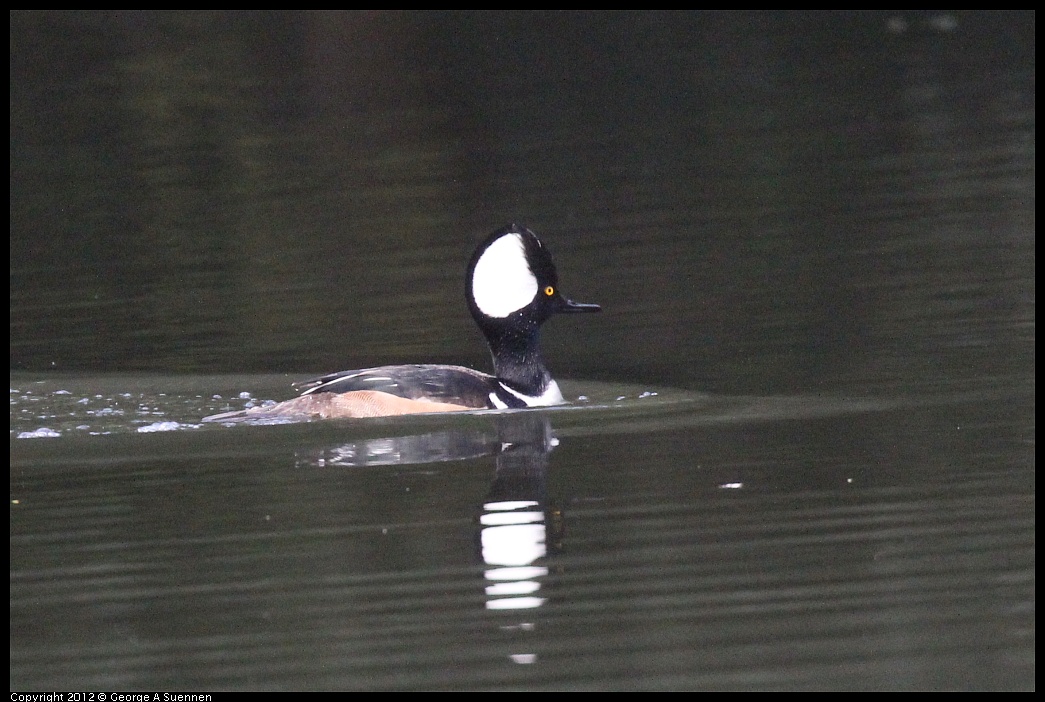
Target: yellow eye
{"type": "Point", "coordinates": [549, 291]}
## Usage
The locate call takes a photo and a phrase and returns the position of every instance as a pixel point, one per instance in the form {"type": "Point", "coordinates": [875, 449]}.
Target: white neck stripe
{"type": "Point", "coordinates": [551, 395]}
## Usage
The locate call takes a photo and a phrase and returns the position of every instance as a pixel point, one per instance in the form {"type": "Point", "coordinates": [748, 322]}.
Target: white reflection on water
{"type": "Point", "coordinates": [513, 537]}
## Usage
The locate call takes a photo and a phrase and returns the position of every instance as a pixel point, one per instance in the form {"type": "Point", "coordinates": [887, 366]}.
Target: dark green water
{"type": "Point", "coordinates": [801, 449]}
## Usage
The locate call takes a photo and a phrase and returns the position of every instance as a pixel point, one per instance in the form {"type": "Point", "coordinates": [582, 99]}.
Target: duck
{"type": "Point", "coordinates": [512, 289]}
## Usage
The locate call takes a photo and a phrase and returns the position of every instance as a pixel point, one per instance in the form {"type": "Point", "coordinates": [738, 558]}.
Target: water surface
{"type": "Point", "coordinates": [800, 449]}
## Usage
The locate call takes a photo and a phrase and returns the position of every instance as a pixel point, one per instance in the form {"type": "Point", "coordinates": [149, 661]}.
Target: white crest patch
{"type": "Point", "coordinates": [502, 281]}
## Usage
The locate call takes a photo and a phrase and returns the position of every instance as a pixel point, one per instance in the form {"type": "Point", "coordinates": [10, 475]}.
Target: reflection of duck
{"type": "Point", "coordinates": [512, 288]}
{"type": "Point", "coordinates": [520, 441]}
{"type": "Point", "coordinates": [518, 527]}
{"type": "Point", "coordinates": [518, 530]}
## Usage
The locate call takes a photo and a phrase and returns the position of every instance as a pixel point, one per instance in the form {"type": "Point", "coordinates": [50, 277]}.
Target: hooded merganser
{"type": "Point", "coordinates": [512, 288]}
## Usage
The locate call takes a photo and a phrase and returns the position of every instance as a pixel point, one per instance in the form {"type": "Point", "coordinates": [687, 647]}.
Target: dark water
{"type": "Point", "coordinates": [801, 449]}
